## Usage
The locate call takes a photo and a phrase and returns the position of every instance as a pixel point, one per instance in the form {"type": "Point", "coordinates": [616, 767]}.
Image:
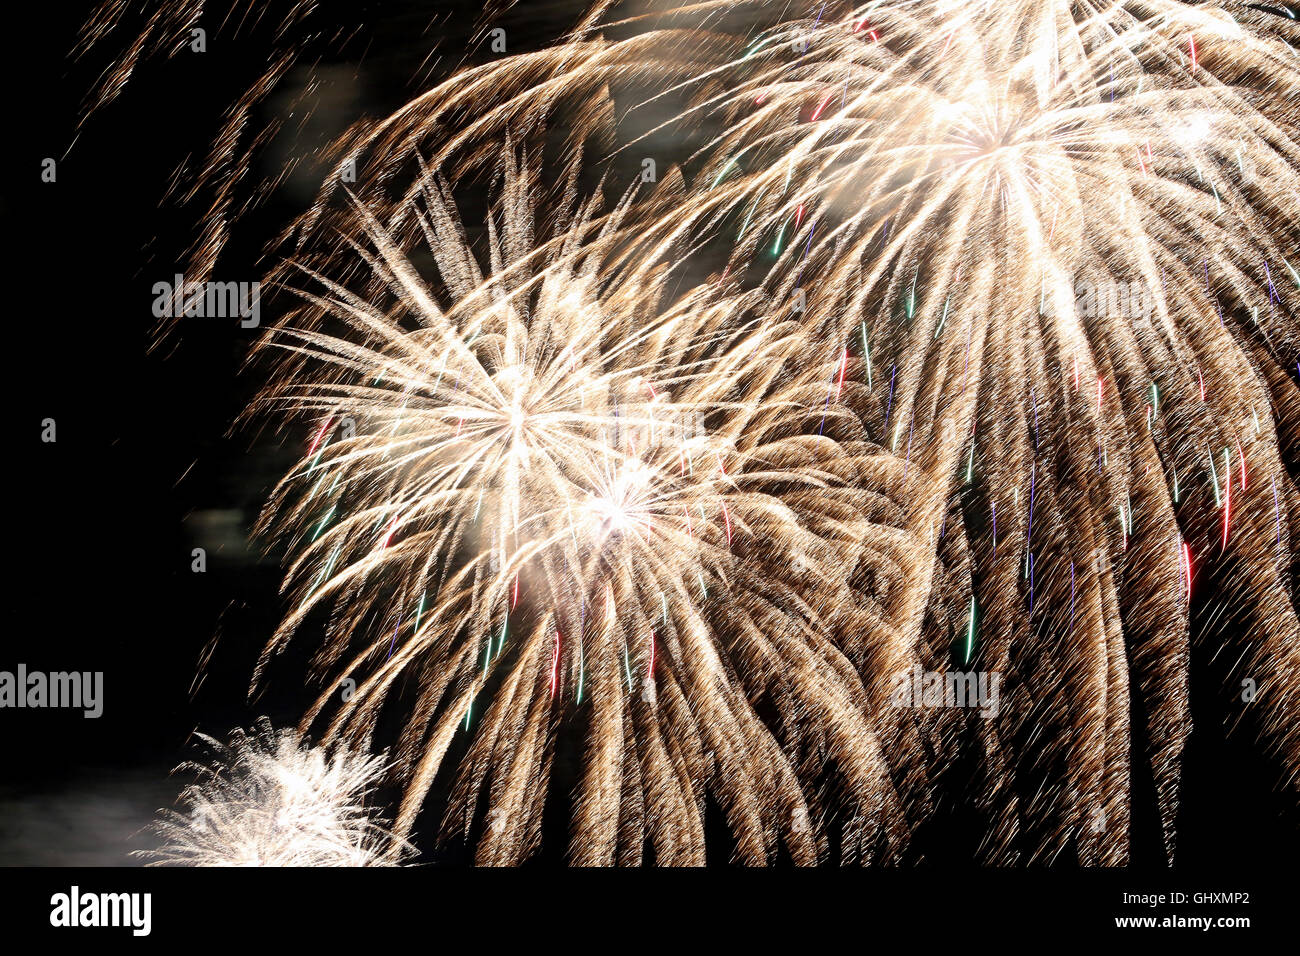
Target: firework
{"type": "Point", "coordinates": [271, 799]}
{"type": "Point", "coordinates": [1000, 374]}
{"type": "Point", "coordinates": [564, 502]}
{"type": "Point", "coordinates": [1064, 237]}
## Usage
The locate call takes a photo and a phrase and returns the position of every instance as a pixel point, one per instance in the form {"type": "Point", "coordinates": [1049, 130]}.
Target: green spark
{"type": "Point", "coordinates": [970, 630]}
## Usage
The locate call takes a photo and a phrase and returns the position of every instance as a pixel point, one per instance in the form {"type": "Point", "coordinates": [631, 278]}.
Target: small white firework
{"type": "Point", "coordinates": [272, 799]}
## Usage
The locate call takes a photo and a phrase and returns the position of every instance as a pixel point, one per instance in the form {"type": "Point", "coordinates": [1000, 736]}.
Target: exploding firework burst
{"type": "Point", "coordinates": [271, 799]}
{"type": "Point", "coordinates": [1033, 261]}
{"type": "Point", "coordinates": [1060, 241]}
{"type": "Point", "coordinates": [562, 501]}
{"type": "Point", "coordinates": [975, 186]}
